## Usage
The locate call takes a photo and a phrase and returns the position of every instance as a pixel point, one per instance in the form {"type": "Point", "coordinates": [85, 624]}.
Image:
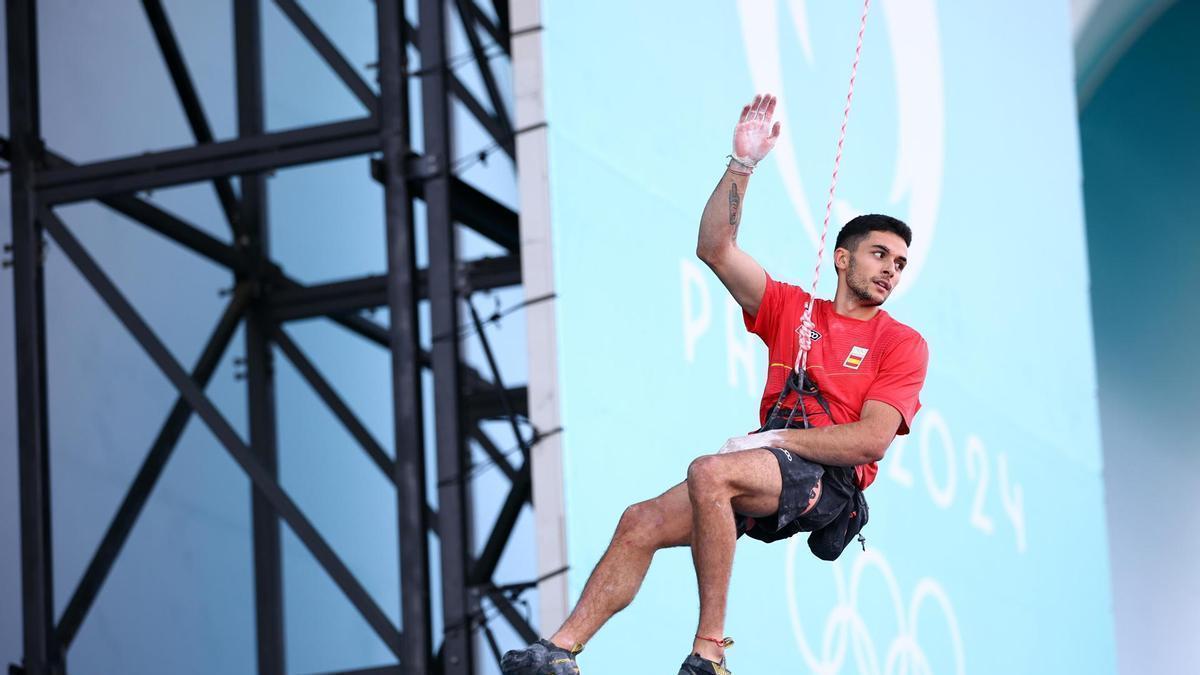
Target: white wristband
{"type": "Point", "coordinates": [748, 165]}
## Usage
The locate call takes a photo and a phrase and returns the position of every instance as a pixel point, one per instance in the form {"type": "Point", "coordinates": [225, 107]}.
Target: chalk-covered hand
{"type": "Point", "coordinates": [754, 135]}
{"type": "Point", "coordinates": [747, 442]}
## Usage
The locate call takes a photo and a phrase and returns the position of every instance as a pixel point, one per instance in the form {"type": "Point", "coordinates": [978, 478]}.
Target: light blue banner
{"type": "Point", "coordinates": [986, 549]}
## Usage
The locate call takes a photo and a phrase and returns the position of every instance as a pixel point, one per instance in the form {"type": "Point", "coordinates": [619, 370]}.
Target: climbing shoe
{"type": "Point", "coordinates": [541, 658]}
{"type": "Point", "coordinates": [698, 665]}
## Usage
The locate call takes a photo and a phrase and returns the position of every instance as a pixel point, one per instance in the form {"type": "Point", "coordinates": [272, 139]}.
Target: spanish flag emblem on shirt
{"type": "Point", "coordinates": [857, 354]}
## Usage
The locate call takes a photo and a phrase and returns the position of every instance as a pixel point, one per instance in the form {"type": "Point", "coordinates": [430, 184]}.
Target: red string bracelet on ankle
{"type": "Point", "coordinates": [723, 643]}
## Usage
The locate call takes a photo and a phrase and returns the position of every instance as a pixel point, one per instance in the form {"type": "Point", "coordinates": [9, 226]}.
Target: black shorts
{"type": "Point", "coordinates": [834, 520]}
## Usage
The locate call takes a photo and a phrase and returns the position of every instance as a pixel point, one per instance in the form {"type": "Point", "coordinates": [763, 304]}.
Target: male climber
{"type": "Point", "coordinates": [821, 435]}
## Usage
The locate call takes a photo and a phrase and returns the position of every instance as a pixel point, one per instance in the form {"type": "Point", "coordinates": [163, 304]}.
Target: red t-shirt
{"type": "Point", "coordinates": [851, 361]}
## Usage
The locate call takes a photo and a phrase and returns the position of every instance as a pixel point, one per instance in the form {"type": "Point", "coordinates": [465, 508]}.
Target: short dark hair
{"type": "Point", "coordinates": [858, 228]}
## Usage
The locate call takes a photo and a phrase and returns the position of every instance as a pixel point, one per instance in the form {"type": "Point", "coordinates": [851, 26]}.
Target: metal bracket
{"type": "Point", "coordinates": [422, 167]}
{"type": "Point", "coordinates": [43, 248]}
{"type": "Point", "coordinates": [416, 167]}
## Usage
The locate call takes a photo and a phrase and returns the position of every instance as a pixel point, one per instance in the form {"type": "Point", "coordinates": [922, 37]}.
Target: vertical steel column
{"type": "Point", "coordinates": [252, 217]}
{"type": "Point", "coordinates": [42, 654]}
{"type": "Point", "coordinates": [453, 513]}
{"type": "Point", "coordinates": [409, 472]}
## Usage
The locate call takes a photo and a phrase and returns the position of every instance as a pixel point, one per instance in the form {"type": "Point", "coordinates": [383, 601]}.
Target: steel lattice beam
{"type": "Point", "coordinates": [42, 653]}
{"type": "Point", "coordinates": [264, 297]}
{"type": "Point", "coordinates": [458, 604]}
{"type": "Point", "coordinates": [409, 473]}
{"type": "Point", "coordinates": [352, 295]}
{"type": "Point", "coordinates": [260, 378]}
{"type": "Point", "coordinates": [206, 162]}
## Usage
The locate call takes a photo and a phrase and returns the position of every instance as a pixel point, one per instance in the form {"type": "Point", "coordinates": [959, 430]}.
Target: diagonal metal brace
{"type": "Point", "coordinates": [147, 476]}
{"type": "Point", "coordinates": [243, 455]}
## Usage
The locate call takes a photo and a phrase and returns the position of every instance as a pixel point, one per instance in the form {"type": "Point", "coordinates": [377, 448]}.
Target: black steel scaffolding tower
{"type": "Point", "coordinates": [264, 299]}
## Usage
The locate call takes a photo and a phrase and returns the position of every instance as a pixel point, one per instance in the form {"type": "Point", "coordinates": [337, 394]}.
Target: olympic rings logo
{"type": "Point", "coordinates": [844, 626]}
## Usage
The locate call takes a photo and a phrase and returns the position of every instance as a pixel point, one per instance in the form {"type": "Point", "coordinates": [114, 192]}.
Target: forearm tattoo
{"type": "Point", "coordinates": [734, 202]}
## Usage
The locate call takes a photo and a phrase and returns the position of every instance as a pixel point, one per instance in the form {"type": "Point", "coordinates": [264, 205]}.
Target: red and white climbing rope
{"type": "Point", "coordinates": [806, 323]}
